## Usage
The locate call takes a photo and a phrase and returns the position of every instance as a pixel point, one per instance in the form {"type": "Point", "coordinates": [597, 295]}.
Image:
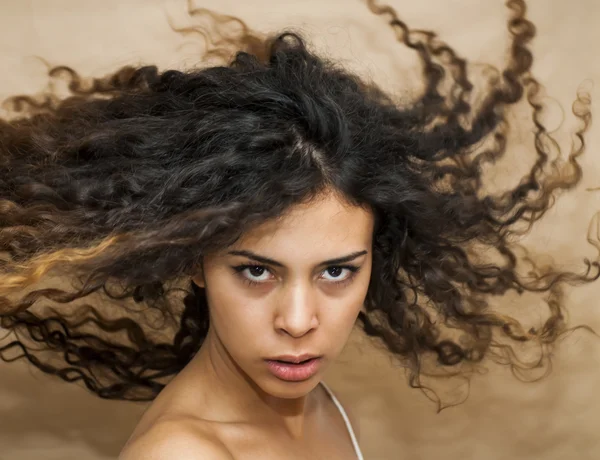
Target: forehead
{"type": "Point", "coordinates": [324, 227]}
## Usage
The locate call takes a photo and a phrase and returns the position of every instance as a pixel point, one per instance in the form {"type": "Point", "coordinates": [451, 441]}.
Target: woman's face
{"type": "Point", "coordinates": [296, 303]}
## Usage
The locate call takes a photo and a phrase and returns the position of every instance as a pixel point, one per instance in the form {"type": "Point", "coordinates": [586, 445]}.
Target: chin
{"type": "Point", "coordinates": [289, 390]}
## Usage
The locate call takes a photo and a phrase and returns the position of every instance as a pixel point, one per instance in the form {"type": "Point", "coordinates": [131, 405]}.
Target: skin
{"type": "Point", "coordinates": [226, 394]}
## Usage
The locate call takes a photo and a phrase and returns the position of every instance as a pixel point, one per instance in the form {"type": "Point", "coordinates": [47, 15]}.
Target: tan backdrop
{"type": "Point", "coordinates": [503, 419]}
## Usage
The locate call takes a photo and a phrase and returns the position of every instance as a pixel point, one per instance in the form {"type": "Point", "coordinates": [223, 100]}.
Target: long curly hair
{"type": "Point", "coordinates": [118, 189]}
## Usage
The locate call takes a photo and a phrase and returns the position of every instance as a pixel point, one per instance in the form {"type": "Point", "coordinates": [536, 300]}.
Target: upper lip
{"type": "Point", "coordinates": [293, 358]}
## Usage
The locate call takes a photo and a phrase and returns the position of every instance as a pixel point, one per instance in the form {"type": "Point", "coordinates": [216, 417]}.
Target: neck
{"type": "Point", "coordinates": [233, 396]}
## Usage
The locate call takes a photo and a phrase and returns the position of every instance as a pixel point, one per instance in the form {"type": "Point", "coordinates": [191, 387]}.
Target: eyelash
{"type": "Point", "coordinates": [240, 268]}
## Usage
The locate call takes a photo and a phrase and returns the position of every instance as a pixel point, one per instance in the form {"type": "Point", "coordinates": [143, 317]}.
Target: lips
{"type": "Point", "coordinates": [293, 359]}
{"type": "Point", "coordinates": [297, 371]}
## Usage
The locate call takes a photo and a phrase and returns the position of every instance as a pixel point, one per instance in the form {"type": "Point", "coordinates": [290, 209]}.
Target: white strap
{"type": "Point", "coordinates": [346, 420]}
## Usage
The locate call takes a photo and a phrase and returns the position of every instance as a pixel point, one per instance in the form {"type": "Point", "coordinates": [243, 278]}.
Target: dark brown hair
{"type": "Point", "coordinates": [120, 188]}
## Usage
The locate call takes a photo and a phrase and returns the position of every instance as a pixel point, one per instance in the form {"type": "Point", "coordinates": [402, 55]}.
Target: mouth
{"type": "Point", "coordinates": [292, 362]}
{"type": "Point", "coordinates": [290, 359]}
{"type": "Point", "coordinates": [294, 369]}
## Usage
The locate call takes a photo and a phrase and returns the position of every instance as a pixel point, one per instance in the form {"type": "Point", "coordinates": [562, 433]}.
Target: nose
{"type": "Point", "coordinates": [297, 312]}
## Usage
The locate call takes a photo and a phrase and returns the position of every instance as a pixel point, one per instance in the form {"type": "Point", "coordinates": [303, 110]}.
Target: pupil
{"type": "Point", "coordinates": [335, 271]}
{"type": "Point", "coordinates": [253, 271]}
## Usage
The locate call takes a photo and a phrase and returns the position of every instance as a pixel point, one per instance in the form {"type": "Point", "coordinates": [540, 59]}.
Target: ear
{"type": "Point", "coordinates": [198, 279]}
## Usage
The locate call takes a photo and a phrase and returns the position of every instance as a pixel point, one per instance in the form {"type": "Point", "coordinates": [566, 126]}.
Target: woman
{"type": "Point", "coordinates": [285, 199]}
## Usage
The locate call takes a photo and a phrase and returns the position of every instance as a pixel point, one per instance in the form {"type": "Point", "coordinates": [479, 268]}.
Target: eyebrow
{"type": "Point", "coordinates": [265, 260]}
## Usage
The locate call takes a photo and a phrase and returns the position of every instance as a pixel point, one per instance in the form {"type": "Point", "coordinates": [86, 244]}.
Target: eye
{"type": "Point", "coordinates": [254, 274]}
{"type": "Point", "coordinates": [258, 274]}
{"type": "Point", "coordinates": [336, 273]}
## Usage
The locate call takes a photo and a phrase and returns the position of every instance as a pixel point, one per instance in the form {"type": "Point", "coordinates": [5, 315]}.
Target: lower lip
{"type": "Point", "coordinates": [294, 372]}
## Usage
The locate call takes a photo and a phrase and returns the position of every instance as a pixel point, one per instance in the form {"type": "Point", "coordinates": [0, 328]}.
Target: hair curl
{"type": "Point", "coordinates": [122, 186]}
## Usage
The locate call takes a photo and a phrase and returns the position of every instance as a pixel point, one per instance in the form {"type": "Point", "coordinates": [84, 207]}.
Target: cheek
{"type": "Point", "coordinates": [234, 317]}
{"type": "Point", "coordinates": [342, 313]}
{"type": "Point", "coordinates": [347, 314]}
{"type": "Point", "coordinates": [357, 299]}
{"type": "Point", "coordinates": [228, 309]}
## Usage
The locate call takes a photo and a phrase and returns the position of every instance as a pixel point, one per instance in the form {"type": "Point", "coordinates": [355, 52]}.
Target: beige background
{"type": "Point", "coordinates": [503, 419]}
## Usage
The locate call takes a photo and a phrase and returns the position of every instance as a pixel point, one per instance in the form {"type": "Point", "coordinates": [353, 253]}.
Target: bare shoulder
{"type": "Point", "coordinates": [173, 438]}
